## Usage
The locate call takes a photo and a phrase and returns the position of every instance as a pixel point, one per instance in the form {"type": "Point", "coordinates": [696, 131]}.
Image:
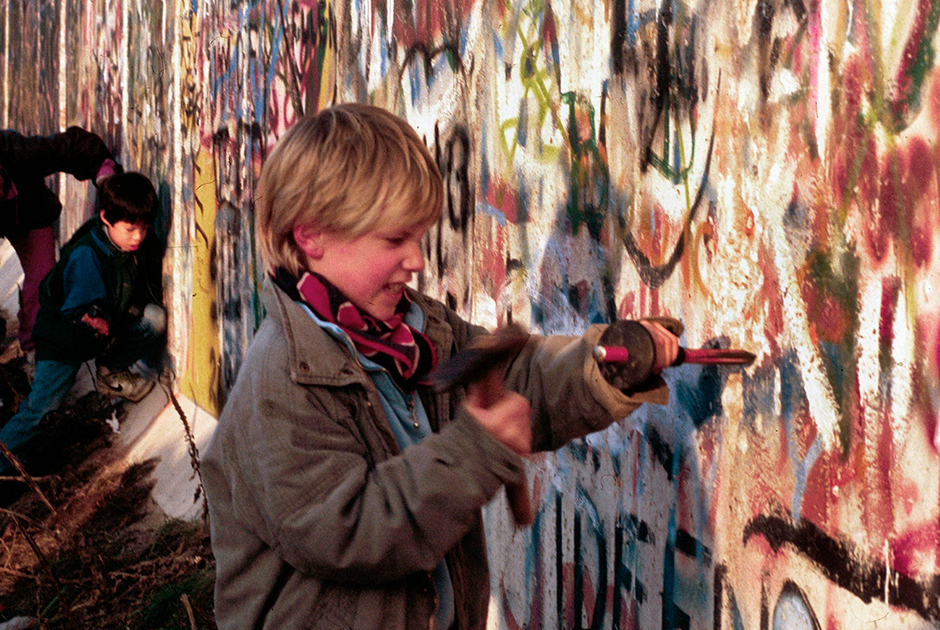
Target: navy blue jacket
{"type": "Point", "coordinates": [93, 274]}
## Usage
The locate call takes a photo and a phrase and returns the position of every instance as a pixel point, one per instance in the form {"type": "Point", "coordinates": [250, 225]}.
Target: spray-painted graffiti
{"type": "Point", "coordinates": [765, 170]}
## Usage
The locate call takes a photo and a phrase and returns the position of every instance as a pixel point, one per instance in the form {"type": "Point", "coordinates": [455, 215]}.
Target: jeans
{"type": "Point", "coordinates": [52, 382]}
{"type": "Point", "coordinates": [140, 339]}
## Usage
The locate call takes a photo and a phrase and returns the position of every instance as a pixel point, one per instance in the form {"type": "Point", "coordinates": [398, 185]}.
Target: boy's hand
{"type": "Point", "coordinates": [651, 347]}
{"type": "Point", "coordinates": [508, 419]}
{"type": "Point", "coordinates": [665, 343]}
{"type": "Point", "coordinates": [99, 324]}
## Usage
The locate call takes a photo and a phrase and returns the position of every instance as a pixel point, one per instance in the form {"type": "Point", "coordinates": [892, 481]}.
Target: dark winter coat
{"type": "Point", "coordinates": [28, 160]}
{"type": "Point", "coordinates": [92, 273]}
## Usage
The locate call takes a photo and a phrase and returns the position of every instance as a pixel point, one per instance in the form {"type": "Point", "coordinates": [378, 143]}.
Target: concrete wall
{"type": "Point", "coordinates": [765, 170]}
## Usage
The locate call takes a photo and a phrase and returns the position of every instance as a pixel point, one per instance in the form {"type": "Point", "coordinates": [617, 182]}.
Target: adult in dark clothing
{"type": "Point", "coordinates": [28, 208]}
{"type": "Point", "coordinates": [100, 301]}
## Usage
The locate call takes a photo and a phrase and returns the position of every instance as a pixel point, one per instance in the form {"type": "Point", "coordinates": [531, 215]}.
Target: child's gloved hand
{"type": "Point", "coordinates": [108, 168]}
{"type": "Point", "coordinates": [93, 318]}
{"type": "Point", "coordinates": [652, 345]}
{"type": "Point", "coordinates": [508, 418]}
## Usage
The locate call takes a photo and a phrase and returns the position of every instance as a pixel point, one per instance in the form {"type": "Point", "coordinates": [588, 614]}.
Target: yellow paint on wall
{"type": "Point", "coordinates": [327, 79]}
{"type": "Point", "coordinates": [201, 381]}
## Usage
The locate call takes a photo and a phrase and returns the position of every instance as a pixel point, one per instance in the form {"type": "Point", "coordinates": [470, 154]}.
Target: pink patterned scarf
{"type": "Point", "coordinates": [406, 353]}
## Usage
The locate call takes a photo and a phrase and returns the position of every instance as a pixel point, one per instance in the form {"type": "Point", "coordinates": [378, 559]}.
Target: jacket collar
{"type": "Point", "coordinates": [104, 242]}
{"type": "Point", "coordinates": [316, 359]}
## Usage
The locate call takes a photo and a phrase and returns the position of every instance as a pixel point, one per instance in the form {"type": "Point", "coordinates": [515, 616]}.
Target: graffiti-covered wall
{"type": "Point", "coordinates": [764, 170]}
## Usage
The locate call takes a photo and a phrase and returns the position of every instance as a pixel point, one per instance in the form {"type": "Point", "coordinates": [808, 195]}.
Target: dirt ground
{"type": "Point", "coordinates": [88, 547]}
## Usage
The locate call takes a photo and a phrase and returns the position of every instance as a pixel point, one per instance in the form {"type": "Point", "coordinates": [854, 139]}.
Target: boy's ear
{"type": "Point", "coordinates": [105, 221]}
{"type": "Point", "coordinates": [310, 239]}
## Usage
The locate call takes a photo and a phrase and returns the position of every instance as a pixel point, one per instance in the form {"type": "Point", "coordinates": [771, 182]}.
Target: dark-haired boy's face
{"type": "Point", "coordinates": [126, 236]}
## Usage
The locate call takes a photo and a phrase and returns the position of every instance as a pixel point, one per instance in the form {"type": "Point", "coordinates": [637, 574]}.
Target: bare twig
{"type": "Point", "coordinates": [18, 478]}
{"type": "Point", "coordinates": [25, 476]}
{"type": "Point", "coordinates": [39, 555]}
{"type": "Point", "coordinates": [189, 610]}
{"type": "Point", "coordinates": [17, 515]}
{"type": "Point", "coordinates": [15, 573]}
{"type": "Point", "coordinates": [193, 454]}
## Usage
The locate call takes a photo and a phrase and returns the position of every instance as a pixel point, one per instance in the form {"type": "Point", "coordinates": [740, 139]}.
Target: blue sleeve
{"type": "Point", "coordinates": [82, 282]}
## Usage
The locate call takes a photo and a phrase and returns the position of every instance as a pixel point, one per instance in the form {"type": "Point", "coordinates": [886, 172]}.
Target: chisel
{"type": "Point", "coordinates": [708, 356]}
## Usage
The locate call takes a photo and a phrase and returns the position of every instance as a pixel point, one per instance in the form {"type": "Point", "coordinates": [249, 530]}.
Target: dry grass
{"type": "Point", "coordinates": [103, 557]}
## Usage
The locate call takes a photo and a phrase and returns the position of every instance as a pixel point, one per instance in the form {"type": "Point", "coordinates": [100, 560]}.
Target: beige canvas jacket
{"type": "Point", "coordinates": [319, 522]}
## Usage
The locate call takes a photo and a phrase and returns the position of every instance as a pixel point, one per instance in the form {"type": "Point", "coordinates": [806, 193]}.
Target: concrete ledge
{"type": "Point", "coordinates": [153, 429]}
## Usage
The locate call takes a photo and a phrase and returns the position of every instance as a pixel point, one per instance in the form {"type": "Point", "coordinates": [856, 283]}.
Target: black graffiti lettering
{"type": "Point", "coordinates": [656, 275]}
{"type": "Point", "coordinates": [628, 530]}
{"type": "Point", "coordinates": [838, 560]}
{"type": "Point", "coordinates": [456, 170]}
{"type": "Point", "coordinates": [686, 544]}
{"type": "Point", "coordinates": [661, 450]}
{"type": "Point", "coordinates": [618, 36]}
{"type": "Point", "coordinates": [667, 91]}
{"type": "Point", "coordinates": [718, 588]}
{"type": "Point", "coordinates": [690, 546]}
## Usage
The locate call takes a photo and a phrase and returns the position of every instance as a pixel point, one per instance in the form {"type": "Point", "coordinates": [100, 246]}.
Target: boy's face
{"type": "Point", "coordinates": [371, 270]}
{"type": "Point", "coordinates": [126, 236]}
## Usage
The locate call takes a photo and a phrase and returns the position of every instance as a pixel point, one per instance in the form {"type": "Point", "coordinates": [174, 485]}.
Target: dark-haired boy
{"type": "Point", "coordinates": [100, 301]}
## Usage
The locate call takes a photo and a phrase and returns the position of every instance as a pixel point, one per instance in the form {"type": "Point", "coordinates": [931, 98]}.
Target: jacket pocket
{"type": "Point", "coordinates": [329, 622]}
{"type": "Point", "coordinates": [335, 609]}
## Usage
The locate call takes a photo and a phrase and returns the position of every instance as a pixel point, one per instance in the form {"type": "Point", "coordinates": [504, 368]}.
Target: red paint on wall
{"type": "Point", "coordinates": [890, 287]}
{"type": "Point", "coordinates": [916, 551]}
{"type": "Point", "coordinates": [932, 98]}
{"type": "Point", "coordinates": [879, 499]}
{"type": "Point", "coordinates": [627, 308]}
{"type": "Point", "coordinates": [424, 21]}
{"type": "Point", "coordinates": [502, 197]}
{"type": "Point", "coordinates": [492, 257]}
{"type": "Point", "coordinates": [919, 183]}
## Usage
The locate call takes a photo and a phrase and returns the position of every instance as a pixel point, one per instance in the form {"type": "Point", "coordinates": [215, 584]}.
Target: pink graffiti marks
{"type": "Point", "coordinates": [424, 22]}
{"type": "Point", "coordinates": [916, 60]}
{"type": "Point", "coordinates": [301, 77]}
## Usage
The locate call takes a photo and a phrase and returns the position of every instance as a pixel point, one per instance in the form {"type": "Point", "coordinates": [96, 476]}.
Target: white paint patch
{"type": "Point", "coordinates": [784, 85]}
{"type": "Point", "coordinates": [830, 12]}
{"type": "Point", "coordinates": [819, 395]}
{"type": "Point", "coordinates": [869, 367]}
{"type": "Point", "coordinates": [11, 278]}
{"type": "Point", "coordinates": [902, 354]}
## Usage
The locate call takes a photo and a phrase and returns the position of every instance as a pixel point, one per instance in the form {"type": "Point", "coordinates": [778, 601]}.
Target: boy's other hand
{"type": "Point", "coordinates": [666, 345]}
{"type": "Point", "coordinates": [508, 419]}
{"type": "Point", "coordinates": [651, 344]}
{"type": "Point", "coordinates": [99, 324]}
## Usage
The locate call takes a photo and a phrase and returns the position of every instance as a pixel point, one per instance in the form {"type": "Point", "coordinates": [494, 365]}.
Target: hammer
{"type": "Point", "coordinates": [482, 363]}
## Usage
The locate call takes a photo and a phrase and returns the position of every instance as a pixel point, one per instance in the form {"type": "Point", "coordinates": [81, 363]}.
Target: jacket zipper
{"type": "Point", "coordinates": [411, 408]}
{"type": "Point", "coordinates": [432, 622]}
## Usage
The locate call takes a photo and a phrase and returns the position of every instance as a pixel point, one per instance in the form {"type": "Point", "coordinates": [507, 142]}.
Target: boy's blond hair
{"type": "Point", "coordinates": [348, 169]}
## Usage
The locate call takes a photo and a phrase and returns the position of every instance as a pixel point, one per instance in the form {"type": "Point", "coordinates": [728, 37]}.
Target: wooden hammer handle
{"type": "Point", "coordinates": [517, 494]}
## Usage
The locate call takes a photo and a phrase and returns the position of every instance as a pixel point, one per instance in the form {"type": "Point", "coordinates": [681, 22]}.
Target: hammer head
{"type": "Point", "coordinates": [484, 354]}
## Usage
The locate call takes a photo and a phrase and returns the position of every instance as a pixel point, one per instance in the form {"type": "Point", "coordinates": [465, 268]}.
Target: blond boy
{"type": "Point", "coordinates": [344, 492]}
